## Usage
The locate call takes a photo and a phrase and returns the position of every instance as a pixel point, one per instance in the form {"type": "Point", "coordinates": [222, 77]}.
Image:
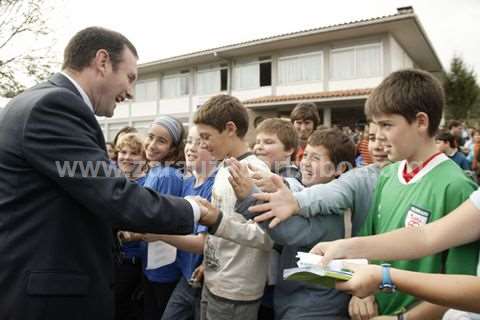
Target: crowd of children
{"type": "Point", "coordinates": [297, 188]}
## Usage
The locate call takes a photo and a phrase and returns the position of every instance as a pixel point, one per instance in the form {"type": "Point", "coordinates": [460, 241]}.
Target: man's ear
{"type": "Point", "coordinates": [102, 61]}
{"type": "Point", "coordinates": [231, 128]}
{"type": "Point", "coordinates": [423, 121]}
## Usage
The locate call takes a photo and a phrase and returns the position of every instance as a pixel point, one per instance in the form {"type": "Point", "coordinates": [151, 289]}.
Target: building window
{"type": "Point", "coordinates": [212, 80]}
{"type": "Point", "coordinates": [224, 79]}
{"type": "Point", "coordinates": [174, 86]}
{"type": "Point", "coordinates": [301, 68]}
{"type": "Point", "coordinates": [254, 74]}
{"type": "Point", "coordinates": [265, 74]}
{"type": "Point", "coordinates": [146, 91]}
{"type": "Point", "coordinates": [357, 62]}
{"type": "Point", "coordinates": [246, 76]}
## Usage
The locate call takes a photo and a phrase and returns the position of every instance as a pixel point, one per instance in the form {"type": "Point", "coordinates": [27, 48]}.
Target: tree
{"type": "Point", "coordinates": [23, 27]}
{"type": "Point", "coordinates": [461, 90]}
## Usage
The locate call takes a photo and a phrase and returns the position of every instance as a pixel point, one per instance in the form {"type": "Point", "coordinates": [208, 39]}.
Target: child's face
{"type": "Point", "coordinates": [129, 159]}
{"type": "Point", "coordinates": [271, 150]}
{"type": "Point", "coordinates": [197, 158]}
{"type": "Point", "coordinates": [376, 147]}
{"type": "Point", "coordinates": [214, 141]}
{"type": "Point", "coordinates": [304, 128]}
{"type": "Point", "coordinates": [110, 152]}
{"type": "Point", "coordinates": [316, 166]}
{"type": "Point", "coordinates": [442, 146]}
{"type": "Point", "coordinates": [476, 137]}
{"type": "Point", "coordinates": [400, 137]}
{"type": "Point", "coordinates": [158, 143]}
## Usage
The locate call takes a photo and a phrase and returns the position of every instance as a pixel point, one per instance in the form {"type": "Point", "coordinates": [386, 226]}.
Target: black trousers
{"type": "Point", "coordinates": [128, 289]}
{"type": "Point", "coordinates": [155, 298]}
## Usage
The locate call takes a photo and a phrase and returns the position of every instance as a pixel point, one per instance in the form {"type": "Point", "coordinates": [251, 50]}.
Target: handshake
{"type": "Point", "coordinates": [209, 214]}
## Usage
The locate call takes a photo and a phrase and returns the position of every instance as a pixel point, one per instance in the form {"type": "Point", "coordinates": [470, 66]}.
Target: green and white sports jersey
{"type": "Point", "coordinates": [440, 187]}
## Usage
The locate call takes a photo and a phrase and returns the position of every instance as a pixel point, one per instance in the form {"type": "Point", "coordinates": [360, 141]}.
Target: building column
{"type": "Point", "coordinates": [327, 117]}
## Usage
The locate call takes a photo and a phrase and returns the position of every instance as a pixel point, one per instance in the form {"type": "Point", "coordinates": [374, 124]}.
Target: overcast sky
{"type": "Point", "coordinates": [161, 29]}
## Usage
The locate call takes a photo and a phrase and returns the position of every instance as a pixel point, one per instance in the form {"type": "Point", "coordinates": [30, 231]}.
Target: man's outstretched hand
{"type": "Point", "coordinates": [279, 205]}
{"type": "Point", "coordinates": [209, 214]}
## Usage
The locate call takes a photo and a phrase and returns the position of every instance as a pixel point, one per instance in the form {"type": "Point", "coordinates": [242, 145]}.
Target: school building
{"type": "Point", "coordinates": [335, 67]}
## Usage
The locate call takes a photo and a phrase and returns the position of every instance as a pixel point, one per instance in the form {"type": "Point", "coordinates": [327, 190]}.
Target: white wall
{"type": "Point", "coordinates": [354, 84]}
{"type": "Point", "coordinates": [399, 58]}
{"type": "Point", "coordinates": [139, 109]}
{"type": "Point", "coordinates": [122, 110]}
{"type": "Point", "coordinates": [252, 93]}
{"type": "Point", "coordinates": [301, 88]}
{"type": "Point", "coordinates": [175, 105]}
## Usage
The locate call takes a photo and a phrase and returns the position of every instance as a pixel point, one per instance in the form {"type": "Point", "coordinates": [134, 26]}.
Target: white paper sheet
{"type": "Point", "coordinates": [160, 254]}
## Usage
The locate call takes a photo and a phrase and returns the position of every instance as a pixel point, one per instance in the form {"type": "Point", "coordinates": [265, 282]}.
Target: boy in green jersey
{"type": "Point", "coordinates": [421, 187]}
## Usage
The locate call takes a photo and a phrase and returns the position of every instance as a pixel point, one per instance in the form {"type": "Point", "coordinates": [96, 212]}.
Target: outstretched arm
{"type": "Point", "coordinates": [453, 291]}
{"type": "Point", "coordinates": [457, 228]}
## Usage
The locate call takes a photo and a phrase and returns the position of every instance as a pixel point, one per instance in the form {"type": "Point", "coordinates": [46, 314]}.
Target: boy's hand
{"type": "Point", "coordinates": [279, 206]}
{"type": "Point", "coordinates": [127, 236]}
{"type": "Point", "coordinates": [330, 250]}
{"type": "Point", "coordinates": [362, 309]}
{"type": "Point", "coordinates": [365, 281]}
{"type": "Point", "coordinates": [263, 179]}
{"type": "Point", "coordinates": [239, 178]}
{"type": "Point", "coordinates": [198, 273]}
{"type": "Point", "coordinates": [208, 213]}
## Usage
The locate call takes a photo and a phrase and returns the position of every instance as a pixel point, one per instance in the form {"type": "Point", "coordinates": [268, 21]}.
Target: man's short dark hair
{"type": "Point", "coordinates": [84, 45]}
{"type": "Point", "coordinates": [306, 111]}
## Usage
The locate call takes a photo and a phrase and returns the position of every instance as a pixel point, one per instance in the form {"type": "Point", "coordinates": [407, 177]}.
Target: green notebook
{"type": "Point", "coordinates": [319, 276]}
{"type": "Point", "coordinates": [310, 271]}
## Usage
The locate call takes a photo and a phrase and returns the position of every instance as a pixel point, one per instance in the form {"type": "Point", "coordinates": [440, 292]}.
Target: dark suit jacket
{"type": "Point", "coordinates": [55, 225]}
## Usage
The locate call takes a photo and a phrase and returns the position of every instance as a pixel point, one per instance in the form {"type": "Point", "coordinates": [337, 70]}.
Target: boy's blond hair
{"type": "Point", "coordinates": [134, 141]}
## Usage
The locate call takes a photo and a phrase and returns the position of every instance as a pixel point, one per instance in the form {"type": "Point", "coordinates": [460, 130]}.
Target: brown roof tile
{"type": "Point", "coordinates": [310, 96]}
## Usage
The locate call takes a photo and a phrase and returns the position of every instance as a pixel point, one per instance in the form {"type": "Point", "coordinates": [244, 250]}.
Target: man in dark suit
{"type": "Point", "coordinates": [58, 196]}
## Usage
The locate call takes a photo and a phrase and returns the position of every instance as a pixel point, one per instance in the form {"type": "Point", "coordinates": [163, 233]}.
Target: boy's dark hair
{"type": "Point", "coordinates": [447, 137]}
{"type": "Point", "coordinates": [406, 93]}
{"type": "Point", "coordinates": [83, 47]}
{"type": "Point", "coordinates": [219, 110]}
{"type": "Point", "coordinates": [283, 129]}
{"type": "Point", "coordinates": [340, 147]}
{"type": "Point", "coordinates": [454, 123]}
{"type": "Point", "coordinates": [306, 111]}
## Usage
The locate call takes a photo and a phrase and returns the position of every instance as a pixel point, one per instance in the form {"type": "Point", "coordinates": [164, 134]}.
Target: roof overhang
{"type": "Point", "coordinates": [405, 28]}
{"type": "Point", "coordinates": [319, 97]}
